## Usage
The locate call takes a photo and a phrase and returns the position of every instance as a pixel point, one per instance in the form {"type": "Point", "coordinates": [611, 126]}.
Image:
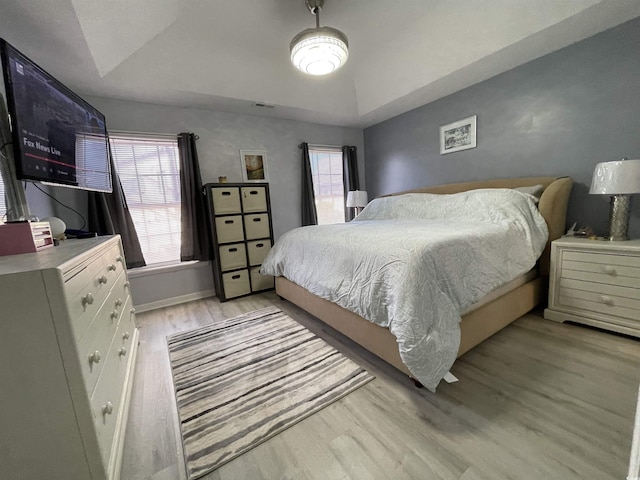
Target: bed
{"type": "Point", "coordinates": [502, 305]}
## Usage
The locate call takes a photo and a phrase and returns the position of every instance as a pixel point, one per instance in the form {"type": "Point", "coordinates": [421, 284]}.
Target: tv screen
{"type": "Point", "coordinates": [57, 137]}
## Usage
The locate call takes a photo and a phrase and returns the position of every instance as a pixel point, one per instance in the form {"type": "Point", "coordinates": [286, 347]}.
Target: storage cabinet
{"type": "Point", "coordinates": [596, 282]}
{"type": "Point", "coordinates": [68, 342]}
{"type": "Point", "coordinates": [242, 233]}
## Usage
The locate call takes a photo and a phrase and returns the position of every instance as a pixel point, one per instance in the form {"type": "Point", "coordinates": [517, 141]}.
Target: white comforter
{"type": "Point", "coordinates": [414, 262]}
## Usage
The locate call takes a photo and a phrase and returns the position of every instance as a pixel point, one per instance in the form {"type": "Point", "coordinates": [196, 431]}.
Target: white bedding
{"type": "Point", "coordinates": [413, 262]}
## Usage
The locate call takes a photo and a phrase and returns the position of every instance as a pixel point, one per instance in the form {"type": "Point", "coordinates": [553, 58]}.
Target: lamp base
{"type": "Point", "coordinates": [620, 207]}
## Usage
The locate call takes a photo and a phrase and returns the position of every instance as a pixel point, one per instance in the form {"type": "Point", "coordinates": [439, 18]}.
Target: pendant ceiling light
{"type": "Point", "coordinates": [320, 50]}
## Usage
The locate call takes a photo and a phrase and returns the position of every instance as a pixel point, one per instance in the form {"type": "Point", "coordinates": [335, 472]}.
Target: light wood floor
{"type": "Point", "coordinates": [538, 400]}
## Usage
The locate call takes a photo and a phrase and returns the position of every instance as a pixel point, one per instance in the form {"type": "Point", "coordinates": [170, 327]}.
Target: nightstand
{"type": "Point", "coordinates": [595, 282]}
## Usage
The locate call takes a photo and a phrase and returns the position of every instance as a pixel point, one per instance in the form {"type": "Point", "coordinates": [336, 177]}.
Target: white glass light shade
{"type": "Point", "coordinates": [616, 178]}
{"type": "Point", "coordinates": [357, 199]}
{"type": "Point", "coordinates": [319, 51]}
{"type": "Point", "coordinates": [58, 227]}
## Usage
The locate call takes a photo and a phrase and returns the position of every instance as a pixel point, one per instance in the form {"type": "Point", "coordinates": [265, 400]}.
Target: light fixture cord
{"type": "Point", "coordinates": [316, 12]}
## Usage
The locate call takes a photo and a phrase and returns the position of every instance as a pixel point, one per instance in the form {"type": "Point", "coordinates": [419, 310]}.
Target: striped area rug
{"type": "Point", "coordinates": [241, 381]}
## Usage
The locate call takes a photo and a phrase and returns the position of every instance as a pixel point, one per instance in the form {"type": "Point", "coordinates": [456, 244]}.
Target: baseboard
{"type": "Point", "coordinates": [167, 302]}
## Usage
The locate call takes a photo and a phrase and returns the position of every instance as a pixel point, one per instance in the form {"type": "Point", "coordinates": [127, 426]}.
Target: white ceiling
{"type": "Point", "coordinates": [228, 54]}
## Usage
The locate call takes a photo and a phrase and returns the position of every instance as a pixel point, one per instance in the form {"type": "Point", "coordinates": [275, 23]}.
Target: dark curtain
{"type": "Point", "coordinates": [350, 176]}
{"type": "Point", "coordinates": [309, 212]}
{"type": "Point", "coordinates": [109, 215]}
{"type": "Point", "coordinates": [194, 243]}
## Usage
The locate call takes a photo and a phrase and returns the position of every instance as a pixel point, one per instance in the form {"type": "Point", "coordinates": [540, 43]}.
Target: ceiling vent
{"type": "Point", "coordinates": [262, 105]}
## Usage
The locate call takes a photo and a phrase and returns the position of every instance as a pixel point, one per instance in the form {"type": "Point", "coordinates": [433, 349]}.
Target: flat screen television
{"type": "Point", "coordinates": [57, 137]}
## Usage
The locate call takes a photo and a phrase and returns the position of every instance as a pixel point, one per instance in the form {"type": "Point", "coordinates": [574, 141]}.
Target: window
{"type": "Point", "coordinates": [149, 170]}
{"type": "Point", "coordinates": [328, 184]}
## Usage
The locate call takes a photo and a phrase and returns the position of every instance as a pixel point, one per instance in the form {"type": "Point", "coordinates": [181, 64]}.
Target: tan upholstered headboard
{"type": "Point", "coordinates": [552, 205]}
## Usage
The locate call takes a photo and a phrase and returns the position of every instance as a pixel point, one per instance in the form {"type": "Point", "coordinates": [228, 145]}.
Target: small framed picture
{"type": "Point", "coordinates": [460, 135]}
{"type": "Point", "coordinates": [254, 165]}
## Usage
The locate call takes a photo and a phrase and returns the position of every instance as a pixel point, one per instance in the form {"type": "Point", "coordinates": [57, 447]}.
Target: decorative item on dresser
{"type": "Point", "coordinates": [596, 283]}
{"type": "Point", "coordinates": [68, 342]}
{"type": "Point", "coordinates": [242, 233]}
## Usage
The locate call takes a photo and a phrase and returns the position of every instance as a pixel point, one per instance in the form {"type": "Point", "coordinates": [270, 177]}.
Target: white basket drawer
{"type": "Point", "coordinates": [257, 250]}
{"type": "Point", "coordinates": [254, 199]}
{"type": "Point", "coordinates": [229, 229]}
{"type": "Point", "coordinates": [236, 283]}
{"type": "Point", "coordinates": [257, 226]}
{"type": "Point", "coordinates": [232, 256]}
{"type": "Point", "coordinates": [225, 200]}
{"type": "Point", "coordinates": [259, 281]}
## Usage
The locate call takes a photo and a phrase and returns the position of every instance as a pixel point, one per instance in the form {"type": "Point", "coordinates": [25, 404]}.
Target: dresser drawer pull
{"type": "Point", "coordinates": [127, 284]}
{"type": "Point", "coordinates": [133, 310]}
{"type": "Point", "coordinates": [609, 270]}
{"type": "Point", "coordinates": [107, 409]}
{"type": "Point", "coordinates": [125, 336]}
{"type": "Point", "coordinates": [87, 299]}
{"type": "Point", "coordinates": [102, 279]}
{"type": "Point", "coordinates": [112, 267]}
{"type": "Point", "coordinates": [119, 302]}
{"type": "Point", "coordinates": [606, 299]}
{"type": "Point", "coordinates": [122, 352]}
{"type": "Point", "coordinates": [115, 314]}
{"type": "Point", "coordinates": [94, 357]}
{"type": "Point", "coordinates": [120, 259]}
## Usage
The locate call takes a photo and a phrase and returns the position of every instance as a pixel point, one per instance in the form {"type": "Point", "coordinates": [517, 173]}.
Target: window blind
{"type": "Point", "coordinates": [326, 170]}
{"type": "Point", "coordinates": [149, 170]}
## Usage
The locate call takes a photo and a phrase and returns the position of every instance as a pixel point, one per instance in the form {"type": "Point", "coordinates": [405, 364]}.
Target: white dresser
{"type": "Point", "coordinates": [596, 282]}
{"type": "Point", "coordinates": [68, 343]}
{"type": "Point", "coordinates": [240, 221]}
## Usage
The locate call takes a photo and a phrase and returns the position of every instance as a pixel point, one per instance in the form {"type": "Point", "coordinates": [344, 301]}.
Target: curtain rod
{"type": "Point", "coordinates": [147, 134]}
{"type": "Point", "coordinates": [316, 145]}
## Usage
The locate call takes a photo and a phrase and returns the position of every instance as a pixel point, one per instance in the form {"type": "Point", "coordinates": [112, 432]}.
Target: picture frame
{"type": "Point", "coordinates": [254, 165]}
{"type": "Point", "coordinates": [460, 135]}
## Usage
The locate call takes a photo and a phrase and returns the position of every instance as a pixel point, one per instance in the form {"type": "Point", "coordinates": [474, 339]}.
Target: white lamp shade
{"type": "Point", "coordinates": [357, 198]}
{"type": "Point", "coordinates": [58, 227]}
{"type": "Point", "coordinates": [616, 178]}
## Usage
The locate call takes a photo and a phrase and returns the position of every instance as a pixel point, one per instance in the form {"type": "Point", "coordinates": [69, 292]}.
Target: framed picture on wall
{"type": "Point", "coordinates": [254, 165]}
{"type": "Point", "coordinates": [460, 135]}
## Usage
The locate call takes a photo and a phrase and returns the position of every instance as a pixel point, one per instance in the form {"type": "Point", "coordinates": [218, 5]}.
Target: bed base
{"type": "Point", "coordinates": [475, 326]}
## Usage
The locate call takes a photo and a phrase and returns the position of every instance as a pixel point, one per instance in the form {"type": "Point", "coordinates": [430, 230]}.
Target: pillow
{"type": "Point", "coordinates": [535, 190]}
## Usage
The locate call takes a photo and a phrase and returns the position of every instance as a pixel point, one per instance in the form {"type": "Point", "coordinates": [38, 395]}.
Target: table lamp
{"type": "Point", "coordinates": [620, 179]}
{"type": "Point", "coordinates": [357, 199]}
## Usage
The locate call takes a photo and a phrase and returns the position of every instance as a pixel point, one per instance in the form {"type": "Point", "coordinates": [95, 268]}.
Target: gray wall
{"type": "Point", "coordinates": [558, 115]}
{"type": "Point", "coordinates": [222, 135]}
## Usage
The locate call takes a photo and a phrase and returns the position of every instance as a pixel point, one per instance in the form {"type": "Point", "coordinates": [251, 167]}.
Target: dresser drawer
{"type": "Point", "coordinates": [257, 226]}
{"type": "Point", "coordinates": [254, 199]}
{"type": "Point", "coordinates": [258, 250]}
{"type": "Point", "coordinates": [229, 229]}
{"type": "Point", "coordinates": [236, 283]}
{"type": "Point", "coordinates": [615, 302]}
{"type": "Point", "coordinates": [95, 343]}
{"type": "Point", "coordinates": [108, 394]}
{"type": "Point", "coordinates": [232, 256]}
{"type": "Point", "coordinates": [259, 281]}
{"type": "Point", "coordinates": [225, 200]}
{"type": "Point", "coordinates": [87, 291]}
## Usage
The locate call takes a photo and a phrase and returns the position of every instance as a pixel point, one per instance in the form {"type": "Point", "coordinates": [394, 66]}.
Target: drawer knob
{"type": "Point", "coordinates": [120, 259]}
{"type": "Point", "coordinates": [606, 299]}
{"type": "Point", "coordinates": [127, 284]}
{"type": "Point", "coordinates": [133, 310]}
{"type": "Point", "coordinates": [609, 269]}
{"type": "Point", "coordinates": [125, 336]}
{"type": "Point", "coordinates": [94, 357]}
{"type": "Point", "coordinates": [87, 299]}
{"type": "Point", "coordinates": [102, 279]}
{"type": "Point", "coordinates": [107, 409]}
{"type": "Point", "coordinates": [115, 314]}
{"type": "Point", "coordinates": [122, 352]}
{"type": "Point", "coordinates": [112, 267]}
{"type": "Point", "coordinates": [119, 302]}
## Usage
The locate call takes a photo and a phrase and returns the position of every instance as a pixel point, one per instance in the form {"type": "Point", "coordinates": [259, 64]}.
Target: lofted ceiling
{"type": "Point", "coordinates": [229, 54]}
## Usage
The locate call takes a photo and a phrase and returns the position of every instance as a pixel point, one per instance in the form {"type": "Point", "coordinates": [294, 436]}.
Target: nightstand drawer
{"type": "Point", "coordinates": [254, 199]}
{"type": "Point", "coordinates": [607, 303]}
{"type": "Point", "coordinates": [229, 229]}
{"type": "Point", "coordinates": [602, 268]}
{"type": "Point", "coordinates": [225, 200]}
{"type": "Point", "coordinates": [232, 256]}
